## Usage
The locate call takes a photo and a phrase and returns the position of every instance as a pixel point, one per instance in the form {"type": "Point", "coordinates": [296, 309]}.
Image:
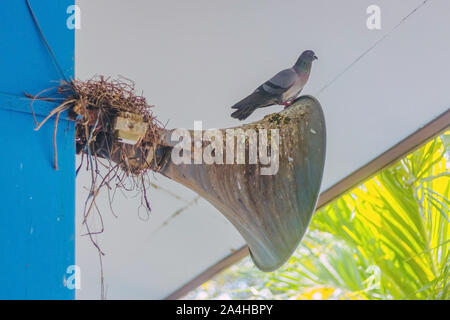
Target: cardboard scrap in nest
{"type": "Point", "coordinates": [130, 128]}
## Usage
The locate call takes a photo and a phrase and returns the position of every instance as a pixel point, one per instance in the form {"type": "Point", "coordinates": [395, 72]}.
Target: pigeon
{"type": "Point", "coordinates": [281, 89]}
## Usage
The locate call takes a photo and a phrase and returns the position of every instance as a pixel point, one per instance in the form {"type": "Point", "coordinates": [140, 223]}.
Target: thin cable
{"type": "Point", "coordinates": [372, 47]}
{"type": "Point", "coordinates": [45, 41]}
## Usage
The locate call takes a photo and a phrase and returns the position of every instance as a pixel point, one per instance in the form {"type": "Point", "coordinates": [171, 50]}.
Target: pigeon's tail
{"type": "Point", "coordinates": [244, 111]}
{"type": "Point", "coordinates": [257, 99]}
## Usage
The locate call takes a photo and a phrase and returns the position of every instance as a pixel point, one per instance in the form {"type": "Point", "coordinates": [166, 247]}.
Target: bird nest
{"type": "Point", "coordinates": [112, 123]}
{"type": "Point", "coordinates": [108, 111]}
{"type": "Point", "coordinates": [114, 129]}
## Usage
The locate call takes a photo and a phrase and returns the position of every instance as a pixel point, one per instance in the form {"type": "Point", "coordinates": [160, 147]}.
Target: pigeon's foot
{"type": "Point", "coordinates": [286, 103]}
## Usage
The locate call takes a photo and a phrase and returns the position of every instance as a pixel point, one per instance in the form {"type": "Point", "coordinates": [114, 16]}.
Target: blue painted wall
{"type": "Point", "coordinates": [37, 227]}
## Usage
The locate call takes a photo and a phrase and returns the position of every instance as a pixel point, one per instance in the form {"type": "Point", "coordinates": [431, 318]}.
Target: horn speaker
{"type": "Point", "coordinates": [271, 212]}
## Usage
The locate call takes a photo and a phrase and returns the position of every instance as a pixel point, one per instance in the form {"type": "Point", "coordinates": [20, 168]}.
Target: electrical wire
{"type": "Point", "coordinates": [373, 46]}
{"type": "Point", "coordinates": [41, 33]}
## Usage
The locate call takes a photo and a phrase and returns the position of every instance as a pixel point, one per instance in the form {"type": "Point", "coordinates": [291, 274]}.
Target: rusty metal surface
{"type": "Point", "coordinates": [272, 212]}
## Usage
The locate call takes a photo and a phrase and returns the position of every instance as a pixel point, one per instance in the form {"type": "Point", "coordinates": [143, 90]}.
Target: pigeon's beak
{"type": "Point", "coordinates": [315, 57]}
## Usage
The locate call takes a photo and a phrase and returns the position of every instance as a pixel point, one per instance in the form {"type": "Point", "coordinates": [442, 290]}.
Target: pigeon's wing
{"type": "Point", "coordinates": [258, 99]}
{"type": "Point", "coordinates": [280, 82]}
{"type": "Point", "coordinates": [267, 94]}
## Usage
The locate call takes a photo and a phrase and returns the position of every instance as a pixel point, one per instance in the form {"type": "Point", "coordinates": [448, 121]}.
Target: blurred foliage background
{"type": "Point", "coordinates": [386, 239]}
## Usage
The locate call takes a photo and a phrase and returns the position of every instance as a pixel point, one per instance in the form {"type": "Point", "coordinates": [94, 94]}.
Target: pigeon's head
{"type": "Point", "coordinates": [308, 56]}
